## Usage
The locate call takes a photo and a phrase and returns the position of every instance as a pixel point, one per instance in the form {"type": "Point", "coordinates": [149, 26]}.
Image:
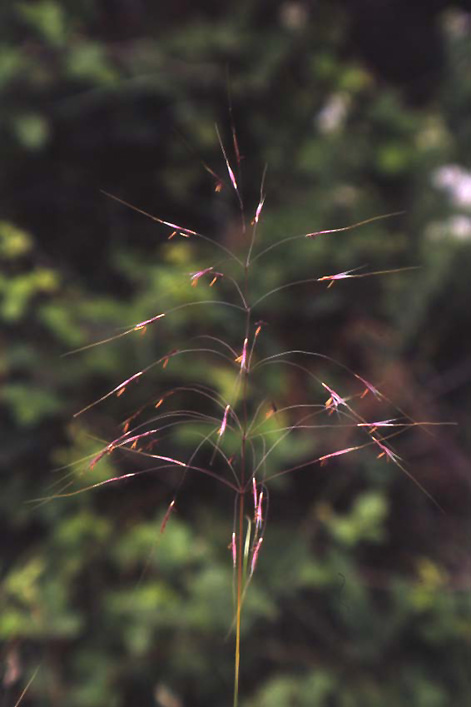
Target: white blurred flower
{"type": "Point", "coordinates": [457, 23]}
{"type": "Point", "coordinates": [293, 15]}
{"type": "Point", "coordinates": [332, 116]}
{"type": "Point", "coordinates": [457, 227]}
{"type": "Point", "coordinates": [456, 181]}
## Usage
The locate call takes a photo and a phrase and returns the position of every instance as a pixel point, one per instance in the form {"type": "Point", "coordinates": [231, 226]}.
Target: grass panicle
{"type": "Point", "coordinates": [236, 435]}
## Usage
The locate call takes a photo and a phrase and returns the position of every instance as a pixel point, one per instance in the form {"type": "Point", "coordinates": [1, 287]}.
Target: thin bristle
{"type": "Point", "coordinates": [354, 225]}
{"type": "Point", "coordinates": [171, 225]}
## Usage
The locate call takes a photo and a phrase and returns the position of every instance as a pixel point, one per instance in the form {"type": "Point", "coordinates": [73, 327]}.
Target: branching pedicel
{"type": "Point", "coordinates": [246, 421]}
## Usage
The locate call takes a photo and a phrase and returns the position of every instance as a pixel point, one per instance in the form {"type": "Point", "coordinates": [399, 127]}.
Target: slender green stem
{"type": "Point", "coordinates": [243, 457]}
{"type": "Point", "coordinates": [239, 599]}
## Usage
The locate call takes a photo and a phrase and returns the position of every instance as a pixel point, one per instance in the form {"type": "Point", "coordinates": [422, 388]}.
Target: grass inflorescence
{"type": "Point", "coordinates": [235, 434]}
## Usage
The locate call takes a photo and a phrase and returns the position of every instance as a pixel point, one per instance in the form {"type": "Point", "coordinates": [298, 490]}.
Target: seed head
{"type": "Point", "coordinates": [224, 421]}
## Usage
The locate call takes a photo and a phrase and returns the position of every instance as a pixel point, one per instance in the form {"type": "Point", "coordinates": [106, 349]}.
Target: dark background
{"type": "Point", "coordinates": [359, 108]}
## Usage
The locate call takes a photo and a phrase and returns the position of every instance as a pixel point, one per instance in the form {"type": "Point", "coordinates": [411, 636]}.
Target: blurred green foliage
{"type": "Point", "coordinates": [359, 597]}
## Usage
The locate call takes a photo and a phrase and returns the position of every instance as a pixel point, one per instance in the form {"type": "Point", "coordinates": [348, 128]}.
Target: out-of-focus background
{"type": "Point", "coordinates": [359, 108]}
